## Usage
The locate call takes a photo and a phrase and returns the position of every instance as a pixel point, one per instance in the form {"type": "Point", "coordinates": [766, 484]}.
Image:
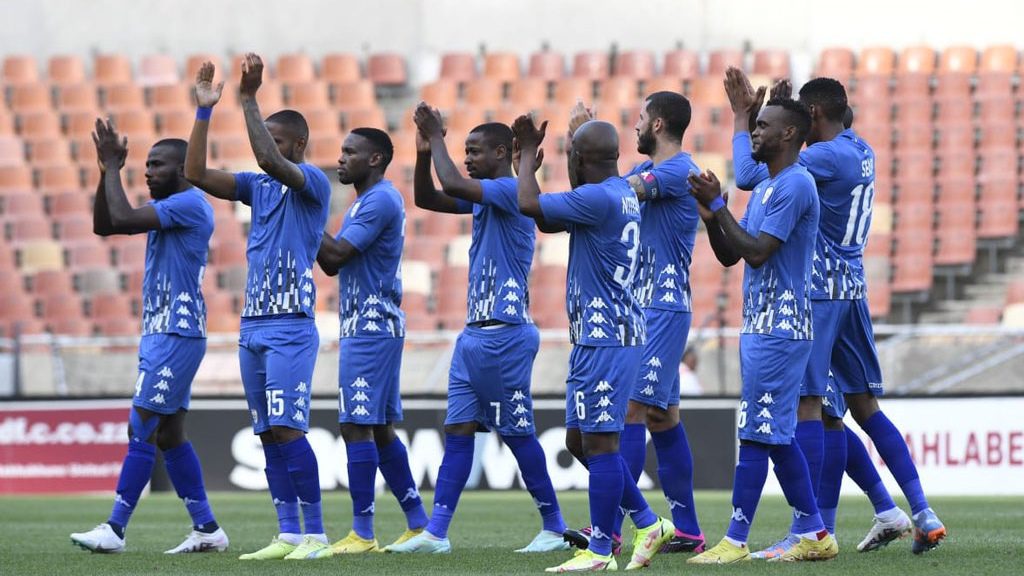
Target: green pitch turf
{"type": "Point", "coordinates": [986, 536]}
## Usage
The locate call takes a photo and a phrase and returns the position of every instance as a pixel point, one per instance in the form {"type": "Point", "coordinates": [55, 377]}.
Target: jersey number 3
{"type": "Point", "coordinates": [630, 235]}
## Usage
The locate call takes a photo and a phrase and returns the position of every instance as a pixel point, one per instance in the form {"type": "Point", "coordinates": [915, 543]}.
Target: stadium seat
{"type": "Point", "coordinates": [295, 69]}
{"type": "Point", "coordinates": [42, 123]}
{"type": "Point", "coordinates": [917, 60]}
{"type": "Point", "coordinates": [959, 59]}
{"type": "Point", "coordinates": [953, 109]}
{"type": "Point", "coordinates": [997, 134]}
{"type": "Point", "coordinates": [570, 90]}
{"type": "Point", "coordinates": [65, 69]}
{"type": "Point", "coordinates": [998, 220]}
{"type": "Point", "coordinates": [994, 109]}
{"type": "Point", "coordinates": [227, 124]}
{"type": "Point", "coordinates": [135, 123]}
{"type": "Point", "coordinates": [1001, 58]}
{"type": "Point", "coordinates": [158, 70]}
{"type": "Point", "coordinates": [773, 63]}
{"type": "Point", "coordinates": [221, 316]}
{"type": "Point", "coordinates": [546, 65]}
{"type": "Point", "coordinates": [912, 273]}
{"type": "Point", "coordinates": [1000, 162]}
{"type": "Point", "coordinates": [876, 61]}
{"type": "Point", "coordinates": [681, 64]}
{"type": "Point", "coordinates": [270, 98]}
{"type": "Point", "coordinates": [112, 69]}
{"type": "Point", "coordinates": [618, 92]}
{"type": "Point", "coordinates": [18, 205]}
{"type": "Point", "coordinates": [55, 305]}
{"type": "Point", "coordinates": [119, 97]}
{"type": "Point", "coordinates": [501, 66]}
{"type": "Point", "coordinates": [19, 69]}
{"type": "Point", "coordinates": [836, 63]}
{"type": "Point", "coordinates": [994, 83]}
{"type": "Point", "coordinates": [26, 229]}
{"type": "Point", "coordinates": [323, 122]}
{"type": "Point", "coordinates": [914, 85]}
{"type": "Point", "coordinates": [307, 95]}
{"type": "Point", "coordinates": [458, 67]}
{"type": "Point", "coordinates": [592, 65]}
{"type": "Point", "coordinates": [720, 60]}
{"type": "Point", "coordinates": [983, 315]}
{"type": "Point", "coordinates": [168, 97]}
{"type": "Point", "coordinates": [442, 94]}
{"type": "Point", "coordinates": [12, 151]}
{"type": "Point", "coordinates": [451, 301]}
{"type": "Point", "coordinates": [15, 178]}
{"type": "Point", "coordinates": [6, 122]}
{"type": "Point", "coordinates": [365, 117]}
{"type": "Point", "coordinates": [708, 91]}
{"type": "Point", "coordinates": [485, 93]}
{"type": "Point", "coordinates": [340, 67]}
{"type": "Point", "coordinates": [914, 135]}
{"type": "Point", "coordinates": [953, 85]}
{"type": "Point", "coordinates": [175, 123]}
{"type": "Point", "coordinates": [31, 98]}
{"type": "Point", "coordinates": [48, 150]}
{"type": "Point", "coordinates": [40, 255]}
{"type": "Point", "coordinates": [386, 69]}
{"type": "Point", "coordinates": [195, 61]}
{"type": "Point", "coordinates": [957, 188]}
{"type": "Point", "coordinates": [662, 84]}
{"type": "Point", "coordinates": [956, 240]}
{"type": "Point", "coordinates": [78, 97]}
{"type": "Point", "coordinates": [118, 326]}
{"type": "Point", "coordinates": [528, 93]}
{"type": "Point", "coordinates": [637, 64]}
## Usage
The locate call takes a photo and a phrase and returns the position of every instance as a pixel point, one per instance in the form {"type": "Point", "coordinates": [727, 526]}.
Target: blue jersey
{"type": "Point", "coordinates": [370, 284]}
{"type": "Point", "coordinates": [844, 171]}
{"type": "Point", "coordinates": [499, 256]}
{"type": "Point", "coordinates": [284, 237]}
{"type": "Point", "coordinates": [777, 295]}
{"type": "Point", "coordinates": [668, 228]}
{"type": "Point", "coordinates": [603, 221]}
{"type": "Point", "coordinates": [172, 299]}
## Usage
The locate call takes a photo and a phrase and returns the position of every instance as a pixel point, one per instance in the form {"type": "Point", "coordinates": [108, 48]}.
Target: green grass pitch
{"type": "Point", "coordinates": [986, 536]}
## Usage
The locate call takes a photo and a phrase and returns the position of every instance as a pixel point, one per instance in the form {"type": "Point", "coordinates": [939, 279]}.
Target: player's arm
{"type": "Point", "coordinates": [746, 103]}
{"type": "Point", "coordinates": [424, 193]}
{"type": "Point", "coordinates": [216, 183]}
{"type": "Point", "coordinates": [428, 123]}
{"type": "Point", "coordinates": [111, 149]}
{"type": "Point", "coordinates": [334, 254]}
{"type": "Point", "coordinates": [527, 145]}
{"type": "Point", "coordinates": [268, 156]}
{"type": "Point", "coordinates": [735, 242]}
{"type": "Point", "coordinates": [101, 225]}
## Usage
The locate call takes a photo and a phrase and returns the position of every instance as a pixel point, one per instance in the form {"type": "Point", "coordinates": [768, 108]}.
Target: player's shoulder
{"type": "Point", "coordinates": [385, 194]}
{"type": "Point", "coordinates": [799, 178]}
{"type": "Point", "coordinates": [316, 176]}
{"type": "Point", "coordinates": [681, 164]}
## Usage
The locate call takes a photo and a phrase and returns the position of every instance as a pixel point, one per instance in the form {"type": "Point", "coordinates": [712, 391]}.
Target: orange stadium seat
{"type": "Point", "coordinates": [485, 93]}
{"type": "Point", "coordinates": [528, 93]}
{"type": "Point", "coordinates": [295, 69]}
{"type": "Point", "coordinates": [683, 64]}
{"type": "Point", "coordinates": [171, 97]}
{"type": "Point", "coordinates": [15, 178]}
{"type": "Point", "coordinates": [20, 69]}
{"type": "Point", "coordinates": [112, 69]}
{"type": "Point", "coordinates": [372, 117]}
{"type": "Point", "coordinates": [836, 63]}
{"type": "Point", "coordinates": [451, 302]}
{"type": "Point", "coordinates": [876, 61]}
{"type": "Point", "coordinates": [997, 134]}
{"type": "Point", "coordinates": [386, 69]}
{"type": "Point", "coordinates": [995, 108]}
{"type": "Point", "coordinates": [546, 65]}
{"type": "Point", "coordinates": [959, 59]}
{"type": "Point", "coordinates": [65, 69]}
{"type": "Point", "coordinates": [158, 70]}
{"type": "Point", "coordinates": [638, 64]}
{"type": "Point", "coordinates": [914, 135]}
{"type": "Point", "coordinates": [955, 137]}
{"type": "Point", "coordinates": [570, 90]}
{"type": "Point", "coordinates": [340, 67]}
{"type": "Point", "coordinates": [227, 123]}
{"type": "Point", "coordinates": [58, 178]}
{"type": "Point", "coordinates": [48, 150]}
{"type": "Point", "coordinates": [55, 306]}
{"type": "Point", "coordinates": [501, 66]}
{"type": "Point", "coordinates": [458, 67]}
{"type": "Point", "coordinates": [953, 85]}
{"type": "Point", "coordinates": [135, 123]}
{"type": "Point", "coordinates": [42, 123]}
{"type": "Point", "coordinates": [957, 241]}
{"type": "Point", "coordinates": [6, 122]}
{"type": "Point", "coordinates": [109, 305]}
{"type": "Point", "coordinates": [175, 123]}
{"type": "Point", "coordinates": [195, 61]}
{"type": "Point", "coordinates": [917, 60]}
{"type": "Point", "coordinates": [720, 60]}
{"type": "Point", "coordinates": [913, 109]}
{"type": "Point", "coordinates": [51, 283]}
{"type": "Point", "coordinates": [71, 202]}
{"type": "Point", "coordinates": [994, 83]}
{"type": "Point", "coordinates": [78, 97]}
{"type": "Point", "coordinates": [1001, 58]}
{"type": "Point", "coordinates": [442, 94]}
{"type": "Point", "coordinates": [307, 95]}
{"type": "Point", "coordinates": [772, 63]}
{"type": "Point", "coordinates": [591, 64]}
{"type": "Point", "coordinates": [21, 205]}
{"type": "Point", "coordinates": [29, 228]}
{"type": "Point", "coordinates": [118, 326]}
{"type": "Point", "coordinates": [708, 91]}
{"type": "Point", "coordinates": [31, 98]}
{"type": "Point", "coordinates": [663, 83]}
{"type": "Point", "coordinates": [618, 92]}
{"type": "Point", "coordinates": [123, 97]}
{"type": "Point", "coordinates": [953, 109]}
{"type": "Point", "coordinates": [12, 151]}
{"type": "Point", "coordinates": [915, 85]}
{"type": "Point", "coordinates": [323, 121]}
{"type": "Point", "coordinates": [270, 97]}
{"type": "Point", "coordinates": [873, 88]}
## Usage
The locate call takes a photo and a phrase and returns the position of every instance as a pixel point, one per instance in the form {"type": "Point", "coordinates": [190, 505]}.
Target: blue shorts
{"type": "Point", "coordinates": [368, 380]}
{"type": "Point", "coordinates": [167, 365]}
{"type": "Point", "coordinates": [489, 380]}
{"type": "Point", "coordinates": [833, 403]}
{"type": "Point", "coordinates": [597, 389]}
{"type": "Point", "coordinates": [277, 358]}
{"type": "Point", "coordinates": [844, 344]}
{"type": "Point", "coordinates": [658, 384]}
{"type": "Point", "coordinates": [771, 369]}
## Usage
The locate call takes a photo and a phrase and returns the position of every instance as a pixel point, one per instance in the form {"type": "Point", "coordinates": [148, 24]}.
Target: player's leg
{"type": "Point", "coordinates": [461, 421]}
{"type": "Point", "coordinates": [834, 460]}
{"type": "Point", "coordinates": [890, 522]}
{"type": "Point", "coordinates": [252, 362]}
{"type": "Point", "coordinates": [290, 358]}
{"type": "Point", "coordinates": [861, 398]}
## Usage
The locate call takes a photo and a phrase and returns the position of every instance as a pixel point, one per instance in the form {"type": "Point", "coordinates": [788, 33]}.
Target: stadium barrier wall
{"type": "Point", "coordinates": [962, 446]}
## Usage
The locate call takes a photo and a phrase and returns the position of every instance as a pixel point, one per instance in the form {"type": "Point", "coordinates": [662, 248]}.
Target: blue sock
{"type": "Point", "coordinates": [633, 502]}
{"type": "Point", "coordinates": [362, 475]}
{"type": "Point", "coordinates": [863, 472]}
{"type": "Point", "coordinates": [833, 467]}
{"type": "Point", "coordinates": [394, 466]}
{"type": "Point", "coordinates": [451, 479]}
{"type": "Point", "coordinates": [135, 473]}
{"type": "Point", "coordinates": [675, 471]}
{"type": "Point", "coordinates": [751, 472]}
{"type": "Point", "coordinates": [305, 475]}
{"type": "Point", "coordinates": [533, 465]}
{"type": "Point", "coordinates": [187, 477]}
{"type": "Point", "coordinates": [894, 452]}
{"type": "Point", "coordinates": [633, 448]}
{"type": "Point", "coordinates": [810, 438]}
{"type": "Point", "coordinates": [281, 490]}
{"type": "Point", "coordinates": [606, 489]}
{"type": "Point", "coordinates": [791, 470]}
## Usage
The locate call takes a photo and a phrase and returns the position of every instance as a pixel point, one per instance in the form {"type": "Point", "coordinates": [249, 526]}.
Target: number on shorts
{"type": "Point", "coordinates": [275, 404]}
{"type": "Point", "coordinates": [581, 408]}
{"type": "Point", "coordinates": [743, 415]}
{"type": "Point", "coordinates": [497, 413]}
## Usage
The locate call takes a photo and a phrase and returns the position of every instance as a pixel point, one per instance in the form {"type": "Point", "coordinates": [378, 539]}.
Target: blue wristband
{"type": "Point", "coordinates": [717, 204]}
{"type": "Point", "coordinates": [204, 113]}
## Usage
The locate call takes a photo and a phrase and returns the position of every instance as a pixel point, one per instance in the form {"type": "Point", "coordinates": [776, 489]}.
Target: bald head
{"type": "Point", "coordinates": [596, 141]}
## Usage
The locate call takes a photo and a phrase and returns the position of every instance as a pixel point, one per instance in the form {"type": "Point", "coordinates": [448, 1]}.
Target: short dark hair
{"type": "Point", "coordinates": [799, 115]}
{"type": "Point", "coordinates": [177, 146]}
{"type": "Point", "coordinates": [380, 140]}
{"type": "Point", "coordinates": [293, 120]}
{"type": "Point", "coordinates": [673, 109]}
{"type": "Point", "coordinates": [848, 117]}
{"type": "Point", "coordinates": [496, 134]}
{"type": "Point", "coordinates": [827, 94]}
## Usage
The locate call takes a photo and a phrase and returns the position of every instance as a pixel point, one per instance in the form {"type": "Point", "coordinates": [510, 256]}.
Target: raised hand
{"type": "Point", "coordinates": [742, 97]}
{"type": "Point", "coordinates": [207, 94]}
{"type": "Point", "coordinates": [579, 116]}
{"type": "Point", "coordinates": [517, 155]}
{"type": "Point", "coordinates": [705, 187]}
{"type": "Point", "coordinates": [782, 89]}
{"type": "Point", "coordinates": [252, 74]}
{"type": "Point", "coordinates": [428, 121]}
{"type": "Point", "coordinates": [526, 132]}
{"type": "Point", "coordinates": [422, 142]}
{"type": "Point", "coordinates": [111, 148]}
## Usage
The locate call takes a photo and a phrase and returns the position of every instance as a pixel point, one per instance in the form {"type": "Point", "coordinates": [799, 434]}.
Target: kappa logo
{"type": "Point", "coordinates": [520, 409]}
{"type": "Point", "coordinates": [410, 494]}
{"type": "Point", "coordinates": [187, 501]}
{"type": "Point", "coordinates": [279, 502]}
{"type": "Point", "coordinates": [522, 423]}
{"type": "Point", "coordinates": [518, 395]}
{"type": "Point", "coordinates": [511, 283]}
{"type": "Point", "coordinates": [604, 416]}
{"type": "Point", "coordinates": [651, 376]}
{"type": "Point", "coordinates": [368, 510]}
{"type": "Point", "coordinates": [669, 284]}
{"type": "Point", "coordinates": [668, 297]}
{"type": "Point", "coordinates": [797, 514]}
{"type": "Point", "coordinates": [183, 324]}
{"type": "Point", "coordinates": [597, 534]}
{"type": "Point", "coordinates": [598, 303]}
{"type": "Point", "coordinates": [360, 396]}
{"type": "Point", "coordinates": [654, 361]}
{"type": "Point", "coordinates": [540, 504]}
{"type": "Point", "coordinates": [121, 501]}
{"type": "Point", "coordinates": [183, 311]}
{"type": "Point", "coordinates": [300, 403]}
{"type": "Point", "coordinates": [669, 269]}
{"type": "Point", "coordinates": [359, 382]}
{"type": "Point", "coordinates": [597, 318]}
{"type": "Point", "coordinates": [360, 411]}
{"type": "Point", "coordinates": [673, 504]}
{"type": "Point", "coordinates": [787, 296]}
{"type": "Point", "coordinates": [648, 390]}
{"type": "Point", "coordinates": [511, 297]}
{"type": "Point", "coordinates": [371, 300]}
{"type": "Point", "coordinates": [786, 310]}
{"type": "Point", "coordinates": [307, 273]}
{"type": "Point", "coordinates": [165, 372]}
{"type": "Point", "coordinates": [603, 386]}
{"type": "Point", "coordinates": [371, 326]}
{"type": "Point", "coordinates": [510, 310]}
{"type": "Point", "coordinates": [764, 413]}
{"type": "Point", "coordinates": [766, 399]}
{"type": "Point", "coordinates": [255, 416]}
{"type": "Point", "coordinates": [826, 402]}
{"type": "Point", "coordinates": [302, 388]}
{"type": "Point", "coordinates": [372, 313]}
{"type": "Point", "coordinates": [784, 325]}
{"type": "Point", "coordinates": [183, 297]}
{"type": "Point", "coordinates": [307, 288]}
{"type": "Point", "coordinates": [597, 332]}
{"type": "Point", "coordinates": [604, 402]}
{"type": "Point", "coordinates": [627, 511]}
{"type": "Point", "coordinates": [307, 302]}
{"type": "Point", "coordinates": [739, 516]}
{"type": "Point", "coordinates": [298, 416]}
{"type": "Point", "coordinates": [158, 399]}
{"type": "Point", "coordinates": [765, 428]}
{"type": "Point", "coordinates": [162, 385]}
